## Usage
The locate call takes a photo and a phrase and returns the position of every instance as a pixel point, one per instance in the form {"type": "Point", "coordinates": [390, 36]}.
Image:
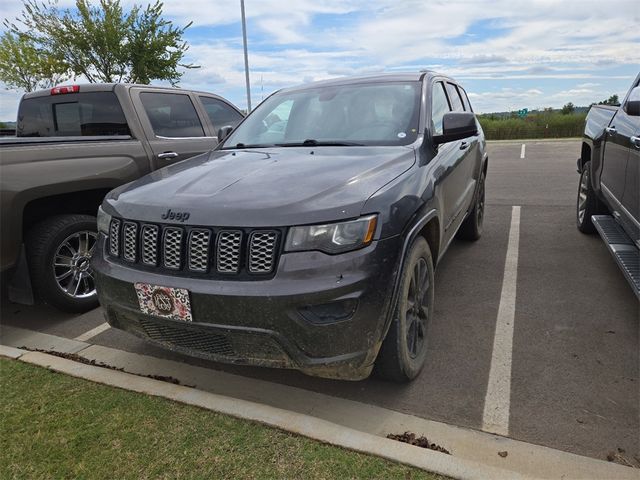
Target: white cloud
{"type": "Point", "coordinates": [517, 44]}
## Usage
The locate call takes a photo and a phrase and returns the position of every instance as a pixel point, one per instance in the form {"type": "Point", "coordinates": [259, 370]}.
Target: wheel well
{"type": "Point", "coordinates": [585, 154]}
{"type": "Point", "coordinates": [431, 233]}
{"type": "Point", "coordinates": [83, 202]}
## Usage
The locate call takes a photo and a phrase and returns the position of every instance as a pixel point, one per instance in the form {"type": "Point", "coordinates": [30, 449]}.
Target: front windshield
{"type": "Point", "coordinates": [363, 114]}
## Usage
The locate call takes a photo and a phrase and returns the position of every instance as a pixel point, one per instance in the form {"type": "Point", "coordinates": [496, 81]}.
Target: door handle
{"type": "Point", "coordinates": [610, 130]}
{"type": "Point", "coordinates": [167, 155]}
{"type": "Point", "coordinates": [463, 145]}
{"type": "Point", "coordinates": [635, 141]}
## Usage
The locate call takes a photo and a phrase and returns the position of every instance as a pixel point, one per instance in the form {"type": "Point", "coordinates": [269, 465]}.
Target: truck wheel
{"type": "Point", "coordinates": [404, 349]}
{"type": "Point", "coordinates": [471, 228]}
{"type": "Point", "coordinates": [587, 203]}
{"type": "Point", "coordinates": [58, 253]}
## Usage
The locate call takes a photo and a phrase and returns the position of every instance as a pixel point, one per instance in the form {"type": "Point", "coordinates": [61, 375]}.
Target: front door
{"type": "Point", "coordinates": [616, 155]}
{"type": "Point", "coordinates": [631, 196]}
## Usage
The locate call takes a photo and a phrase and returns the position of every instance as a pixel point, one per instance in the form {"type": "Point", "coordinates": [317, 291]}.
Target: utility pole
{"type": "Point", "coordinates": [246, 56]}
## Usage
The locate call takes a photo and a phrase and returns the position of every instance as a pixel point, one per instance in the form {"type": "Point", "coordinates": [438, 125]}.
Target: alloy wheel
{"type": "Point", "coordinates": [417, 312]}
{"type": "Point", "coordinates": [71, 265]}
{"type": "Point", "coordinates": [582, 196]}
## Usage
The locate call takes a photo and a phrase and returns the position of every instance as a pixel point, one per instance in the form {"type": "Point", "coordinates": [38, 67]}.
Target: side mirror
{"type": "Point", "coordinates": [224, 133]}
{"type": "Point", "coordinates": [632, 105]}
{"type": "Point", "coordinates": [456, 125]}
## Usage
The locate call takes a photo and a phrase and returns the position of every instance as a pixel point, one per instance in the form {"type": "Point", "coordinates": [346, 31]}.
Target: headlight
{"type": "Point", "coordinates": [104, 221]}
{"type": "Point", "coordinates": [332, 238]}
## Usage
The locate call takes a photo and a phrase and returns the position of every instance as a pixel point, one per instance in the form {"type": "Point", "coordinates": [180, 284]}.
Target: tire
{"type": "Point", "coordinates": [471, 228]}
{"type": "Point", "coordinates": [404, 350]}
{"type": "Point", "coordinates": [587, 203]}
{"type": "Point", "coordinates": [58, 253]}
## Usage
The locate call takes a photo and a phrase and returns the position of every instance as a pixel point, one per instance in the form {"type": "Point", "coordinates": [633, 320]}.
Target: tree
{"type": "Point", "coordinates": [612, 100]}
{"type": "Point", "coordinates": [26, 67]}
{"type": "Point", "coordinates": [568, 109]}
{"type": "Point", "coordinates": [104, 43]}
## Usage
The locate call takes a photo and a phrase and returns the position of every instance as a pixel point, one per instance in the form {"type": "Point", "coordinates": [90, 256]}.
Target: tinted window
{"type": "Point", "coordinates": [454, 98]}
{"type": "Point", "coordinates": [380, 113]}
{"type": "Point", "coordinates": [220, 113]}
{"type": "Point", "coordinates": [439, 106]}
{"type": "Point", "coordinates": [465, 99]}
{"type": "Point", "coordinates": [172, 115]}
{"type": "Point", "coordinates": [72, 114]}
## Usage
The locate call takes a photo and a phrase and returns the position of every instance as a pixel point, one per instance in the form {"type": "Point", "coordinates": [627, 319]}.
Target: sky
{"type": "Point", "coordinates": [508, 54]}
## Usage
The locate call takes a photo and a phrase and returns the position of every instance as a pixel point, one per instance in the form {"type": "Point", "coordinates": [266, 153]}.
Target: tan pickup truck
{"type": "Point", "coordinates": [73, 144]}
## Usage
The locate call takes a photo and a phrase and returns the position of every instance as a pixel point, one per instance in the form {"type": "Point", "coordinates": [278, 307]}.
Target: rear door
{"type": "Point", "coordinates": [174, 128]}
{"type": "Point", "coordinates": [220, 113]}
{"type": "Point", "coordinates": [454, 157]}
{"type": "Point", "coordinates": [469, 147]}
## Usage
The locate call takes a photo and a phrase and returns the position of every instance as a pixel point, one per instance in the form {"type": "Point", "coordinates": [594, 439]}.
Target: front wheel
{"type": "Point", "coordinates": [59, 251]}
{"type": "Point", "coordinates": [404, 350]}
{"type": "Point", "coordinates": [587, 203]}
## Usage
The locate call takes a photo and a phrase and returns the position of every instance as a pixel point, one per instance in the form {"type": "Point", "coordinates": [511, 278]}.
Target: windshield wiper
{"type": "Point", "coordinates": [240, 146]}
{"type": "Point", "coordinates": [311, 142]}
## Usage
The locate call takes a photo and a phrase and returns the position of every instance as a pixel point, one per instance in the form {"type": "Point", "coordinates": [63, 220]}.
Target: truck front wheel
{"type": "Point", "coordinates": [587, 203]}
{"type": "Point", "coordinates": [59, 252]}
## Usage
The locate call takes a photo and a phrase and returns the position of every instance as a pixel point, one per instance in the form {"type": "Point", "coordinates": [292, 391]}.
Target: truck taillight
{"type": "Point", "coordinates": [65, 89]}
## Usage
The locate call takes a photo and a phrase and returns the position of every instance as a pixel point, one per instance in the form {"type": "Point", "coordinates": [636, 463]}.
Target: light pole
{"type": "Point", "coordinates": [246, 56]}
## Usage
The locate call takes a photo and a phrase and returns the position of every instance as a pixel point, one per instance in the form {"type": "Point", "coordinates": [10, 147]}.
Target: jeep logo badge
{"type": "Point", "coordinates": [162, 301]}
{"type": "Point", "coordinates": [179, 216]}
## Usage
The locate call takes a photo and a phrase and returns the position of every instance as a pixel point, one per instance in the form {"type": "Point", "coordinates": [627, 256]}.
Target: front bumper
{"type": "Point", "coordinates": [324, 315]}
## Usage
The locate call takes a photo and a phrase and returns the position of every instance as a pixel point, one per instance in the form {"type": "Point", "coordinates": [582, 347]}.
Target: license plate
{"type": "Point", "coordinates": [164, 302]}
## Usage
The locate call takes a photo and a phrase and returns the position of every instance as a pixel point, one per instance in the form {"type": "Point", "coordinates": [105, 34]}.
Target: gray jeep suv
{"type": "Point", "coordinates": [308, 238]}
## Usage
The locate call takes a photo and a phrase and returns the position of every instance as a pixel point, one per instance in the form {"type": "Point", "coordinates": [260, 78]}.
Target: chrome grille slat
{"type": "Point", "coordinates": [149, 251]}
{"type": "Point", "coordinates": [130, 245]}
{"type": "Point", "coordinates": [114, 237]}
{"type": "Point", "coordinates": [262, 246]}
{"type": "Point", "coordinates": [172, 248]}
{"type": "Point", "coordinates": [228, 251]}
{"type": "Point", "coordinates": [199, 240]}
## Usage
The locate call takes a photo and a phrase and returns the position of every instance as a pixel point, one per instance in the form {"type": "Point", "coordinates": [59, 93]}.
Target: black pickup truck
{"type": "Point", "coordinates": [74, 143]}
{"type": "Point", "coordinates": [609, 187]}
{"type": "Point", "coordinates": [308, 239]}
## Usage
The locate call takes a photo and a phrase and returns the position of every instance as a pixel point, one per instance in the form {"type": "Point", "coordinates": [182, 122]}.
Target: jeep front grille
{"type": "Point", "coordinates": [195, 250]}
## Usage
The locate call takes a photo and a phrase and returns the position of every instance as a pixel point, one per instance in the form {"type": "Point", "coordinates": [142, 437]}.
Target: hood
{"type": "Point", "coordinates": [263, 187]}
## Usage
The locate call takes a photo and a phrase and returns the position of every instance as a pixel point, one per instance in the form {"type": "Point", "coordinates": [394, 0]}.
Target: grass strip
{"type": "Point", "coordinates": [57, 426]}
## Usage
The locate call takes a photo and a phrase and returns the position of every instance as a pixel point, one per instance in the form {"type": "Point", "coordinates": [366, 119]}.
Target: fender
{"type": "Point", "coordinates": [409, 238]}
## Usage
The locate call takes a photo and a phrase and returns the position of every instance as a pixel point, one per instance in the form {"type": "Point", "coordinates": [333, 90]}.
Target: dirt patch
{"type": "Point", "coordinates": [620, 456]}
{"type": "Point", "coordinates": [77, 358]}
{"type": "Point", "coordinates": [422, 441]}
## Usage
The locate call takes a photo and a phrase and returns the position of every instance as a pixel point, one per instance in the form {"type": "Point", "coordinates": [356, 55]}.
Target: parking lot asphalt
{"type": "Point", "coordinates": [574, 361]}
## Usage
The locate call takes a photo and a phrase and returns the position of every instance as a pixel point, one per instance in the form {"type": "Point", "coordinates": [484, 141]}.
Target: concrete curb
{"type": "Point", "coordinates": [305, 425]}
{"type": "Point", "coordinates": [471, 445]}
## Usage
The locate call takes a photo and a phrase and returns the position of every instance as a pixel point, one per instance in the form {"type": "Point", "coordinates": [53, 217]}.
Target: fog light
{"type": "Point", "coordinates": [327, 313]}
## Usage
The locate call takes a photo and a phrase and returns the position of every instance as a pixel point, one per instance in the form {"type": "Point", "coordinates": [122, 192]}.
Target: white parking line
{"type": "Point", "coordinates": [522, 151]}
{"type": "Point", "coordinates": [495, 418]}
{"type": "Point", "coordinates": [93, 332]}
